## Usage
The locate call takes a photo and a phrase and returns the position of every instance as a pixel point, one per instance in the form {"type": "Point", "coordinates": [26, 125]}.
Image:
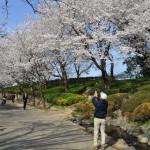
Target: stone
{"type": "Point", "coordinates": [91, 129]}
{"type": "Point", "coordinates": [53, 108]}
{"type": "Point", "coordinates": [79, 120]}
{"type": "Point", "coordinates": [142, 138]}
{"type": "Point", "coordinates": [148, 135]}
{"type": "Point", "coordinates": [142, 130]}
{"type": "Point", "coordinates": [86, 122]}
{"type": "Point", "coordinates": [122, 145]}
{"type": "Point", "coordinates": [110, 148]}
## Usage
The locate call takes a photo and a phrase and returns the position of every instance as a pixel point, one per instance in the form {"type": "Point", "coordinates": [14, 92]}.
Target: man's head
{"type": "Point", "coordinates": [103, 95]}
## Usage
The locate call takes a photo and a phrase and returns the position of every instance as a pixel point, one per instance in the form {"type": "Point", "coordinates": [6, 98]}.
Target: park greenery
{"type": "Point", "coordinates": [130, 96]}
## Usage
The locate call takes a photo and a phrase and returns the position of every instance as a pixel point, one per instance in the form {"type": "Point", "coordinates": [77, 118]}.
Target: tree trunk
{"type": "Point", "coordinates": [104, 73]}
{"type": "Point", "coordinates": [65, 82]}
{"type": "Point", "coordinates": [33, 95]}
{"type": "Point", "coordinates": [112, 71]}
{"type": "Point", "coordinates": [41, 94]}
{"type": "Point", "coordinates": [64, 76]}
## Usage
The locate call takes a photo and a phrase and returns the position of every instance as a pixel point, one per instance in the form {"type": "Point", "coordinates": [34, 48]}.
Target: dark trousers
{"type": "Point", "coordinates": [24, 104]}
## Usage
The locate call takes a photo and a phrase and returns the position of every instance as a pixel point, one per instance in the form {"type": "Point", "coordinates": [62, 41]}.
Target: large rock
{"type": "Point", "coordinates": [142, 138]}
{"type": "Point", "coordinates": [142, 130]}
{"type": "Point", "coordinates": [122, 145]}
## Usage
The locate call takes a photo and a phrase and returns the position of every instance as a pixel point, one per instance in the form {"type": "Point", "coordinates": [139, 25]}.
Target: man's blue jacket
{"type": "Point", "coordinates": [100, 108]}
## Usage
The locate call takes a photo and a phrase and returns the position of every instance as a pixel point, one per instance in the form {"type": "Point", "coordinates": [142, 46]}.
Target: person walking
{"type": "Point", "coordinates": [25, 99]}
{"type": "Point", "coordinates": [101, 106]}
{"type": "Point", "coordinates": [13, 98]}
{"type": "Point", "coordinates": [4, 97]}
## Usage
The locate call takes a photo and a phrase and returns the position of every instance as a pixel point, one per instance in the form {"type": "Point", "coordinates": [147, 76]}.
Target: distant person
{"type": "Point", "coordinates": [13, 98]}
{"type": "Point", "coordinates": [101, 106]}
{"type": "Point", "coordinates": [4, 97]}
{"type": "Point", "coordinates": [25, 99]}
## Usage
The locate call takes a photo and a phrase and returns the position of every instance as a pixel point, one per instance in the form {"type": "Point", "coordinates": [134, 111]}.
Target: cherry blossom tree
{"type": "Point", "coordinates": [92, 29]}
{"type": "Point", "coordinates": [99, 25]}
{"type": "Point", "coordinates": [25, 62]}
{"type": "Point", "coordinates": [80, 65]}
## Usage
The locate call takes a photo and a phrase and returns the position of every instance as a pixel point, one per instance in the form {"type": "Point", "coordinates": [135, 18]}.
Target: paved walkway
{"type": "Point", "coordinates": [34, 129]}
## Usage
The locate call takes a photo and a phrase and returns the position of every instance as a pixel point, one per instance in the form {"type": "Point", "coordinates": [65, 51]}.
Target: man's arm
{"type": "Point", "coordinates": [94, 98]}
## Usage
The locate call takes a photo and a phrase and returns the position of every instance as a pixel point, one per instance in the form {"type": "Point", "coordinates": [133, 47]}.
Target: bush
{"type": "Point", "coordinates": [58, 89]}
{"type": "Point", "coordinates": [141, 113]}
{"type": "Point", "coordinates": [79, 106]}
{"type": "Point", "coordinates": [63, 99]}
{"type": "Point", "coordinates": [115, 101]}
{"type": "Point", "coordinates": [112, 91]}
{"type": "Point", "coordinates": [99, 86]}
{"type": "Point", "coordinates": [135, 100]}
{"type": "Point", "coordinates": [128, 87]}
{"type": "Point", "coordinates": [85, 109]}
{"type": "Point", "coordinates": [77, 88]}
{"type": "Point", "coordinates": [88, 109]}
{"type": "Point", "coordinates": [145, 88]}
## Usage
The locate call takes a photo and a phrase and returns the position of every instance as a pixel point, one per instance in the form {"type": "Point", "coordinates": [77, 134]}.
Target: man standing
{"type": "Point", "coordinates": [101, 106]}
{"type": "Point", "coordinates": [25, 99]}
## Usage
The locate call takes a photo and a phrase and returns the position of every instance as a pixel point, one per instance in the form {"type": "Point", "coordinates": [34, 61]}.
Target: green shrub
{"type": "Point", "coordinates": [77, 88]}
{"type": "Point", "coordinates": [140, 123]}
{"type": "Point", "coordinates": [144, 88]}
{"type": "Point", "coordinates": [135, 100]}
{"type": "Point", "coordinates": [141, 113]}
{"type": "Point", "coordinates": [112, 91]}
{"type": "Point", "coordinates": [58, 89]}
{"type": "Point", "coordinates": [51, 97]}
{"type": "Point", "coordinates": [63, 99]}
{"type": "Point", "coordinates": [98, 85]}
{"type": "Point", "coordinates": [128, 87]}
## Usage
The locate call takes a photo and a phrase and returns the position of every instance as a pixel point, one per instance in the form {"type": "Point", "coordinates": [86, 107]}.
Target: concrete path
{"type": "Point", "coordinates": [34, 129]}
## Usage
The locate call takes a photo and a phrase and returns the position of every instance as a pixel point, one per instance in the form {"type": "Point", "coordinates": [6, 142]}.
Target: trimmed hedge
{"type": "Point", "coordinates": [57, 89]}
{"type": "Point", "coordinates": [77, 88]}
{"type": "Point", "coordinates": [63, 99]}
